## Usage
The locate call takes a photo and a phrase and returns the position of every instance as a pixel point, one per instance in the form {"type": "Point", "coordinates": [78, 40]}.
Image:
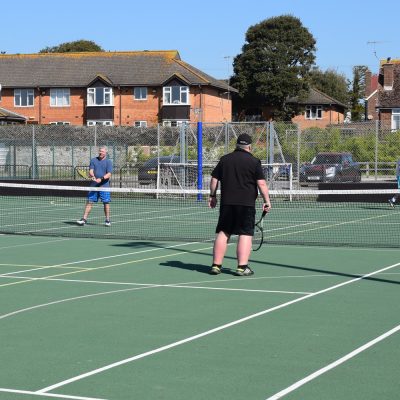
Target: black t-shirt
{"type": "Point", "coordinates": [238, 173]}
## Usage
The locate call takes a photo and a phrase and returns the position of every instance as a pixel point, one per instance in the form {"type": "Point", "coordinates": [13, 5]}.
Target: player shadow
{"type": "Point", "coordinates": [204, 269]}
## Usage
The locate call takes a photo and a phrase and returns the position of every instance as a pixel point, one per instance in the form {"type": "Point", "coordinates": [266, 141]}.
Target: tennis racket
{"type": "Point", "coordinates": [83, 174]}
{"type": "Point", "coordinates": [258, 237]}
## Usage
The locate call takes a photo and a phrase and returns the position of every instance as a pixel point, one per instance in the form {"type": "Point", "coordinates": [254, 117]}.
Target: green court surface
{"type": "Point", "coordinates": [120, 320]}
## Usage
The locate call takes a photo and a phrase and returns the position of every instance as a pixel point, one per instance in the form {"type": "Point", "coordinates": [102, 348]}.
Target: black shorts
{"type": "Point", "coordinates": [236, 220]}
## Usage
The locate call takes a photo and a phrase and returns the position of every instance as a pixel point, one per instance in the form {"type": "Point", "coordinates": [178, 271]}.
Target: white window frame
{"type": "Point", "coordinates": [140, 124]}
{"type": "Point", "coordinates": [173, 123]}
{"type": "Point", "coordinates": [94, 122]}
{"type": "Point", "coordinates": [140, 93]}
{"type": "Point", "coordinates": [395, 119]}
{"type": "Point", "coordinates": [176, 95]}
{"type": "Point", "coordinates": [107, 95]}
{"type": "Point", "coordinates": [59, 123]}
{"type": "Point", "coordinates": [313, 112]}
{"type": "Point", "coordinates": [28, 93]}
{"type": "Point", "coordinates": [60, 97]}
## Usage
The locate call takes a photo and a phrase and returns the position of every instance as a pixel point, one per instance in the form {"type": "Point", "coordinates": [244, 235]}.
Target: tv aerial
{"type": "Point", "coordinates": [374, 43]}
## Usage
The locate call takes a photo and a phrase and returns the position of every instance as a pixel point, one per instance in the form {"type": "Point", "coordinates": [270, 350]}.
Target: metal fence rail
{"type": "Point", "coordinates": [53, 152]}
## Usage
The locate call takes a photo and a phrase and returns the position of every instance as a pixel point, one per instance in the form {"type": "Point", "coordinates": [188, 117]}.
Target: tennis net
{"type": "Point", "coordinates": [314, 217]}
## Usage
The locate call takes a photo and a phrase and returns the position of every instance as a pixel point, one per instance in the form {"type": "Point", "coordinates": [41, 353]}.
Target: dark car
{"type": "Point", "coordinates": [172, 172]}
{"type": "Point", "coordinates": [331, 167]}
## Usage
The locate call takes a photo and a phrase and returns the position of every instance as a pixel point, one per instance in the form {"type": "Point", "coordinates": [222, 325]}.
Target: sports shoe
{"type": "Point", "coordinates": [215, 269]}
{"type": "Point", "coordinates": [391, 203]}
{"type": "Point", "coordinates": [81, 222]}
{"type": "Point", "coordinates": [244, 271]}
{"type": "Point", "coordinates": [107, 222]}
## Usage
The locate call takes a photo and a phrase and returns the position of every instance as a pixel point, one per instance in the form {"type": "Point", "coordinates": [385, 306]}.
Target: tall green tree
{"type": "Point", "coordinates": [357, 93]}
{"type": "Point", "coordinates": [274, 64]}
{"type": "Point", "coordinates": [76, 46]}
{"type": "Point", "coordinates": [331, 83]}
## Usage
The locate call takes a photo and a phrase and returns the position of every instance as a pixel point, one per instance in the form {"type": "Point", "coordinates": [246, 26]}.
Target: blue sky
{"type": "Point", "coordinates": [207, 34]}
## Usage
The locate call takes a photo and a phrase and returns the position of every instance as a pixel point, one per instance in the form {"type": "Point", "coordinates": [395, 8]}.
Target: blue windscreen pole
{"type": "Point", "coordinates": [199, 160]}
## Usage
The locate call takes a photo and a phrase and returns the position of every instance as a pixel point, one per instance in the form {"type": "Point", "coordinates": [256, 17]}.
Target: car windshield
{"type": "Point", "coordinates": [327, 159]}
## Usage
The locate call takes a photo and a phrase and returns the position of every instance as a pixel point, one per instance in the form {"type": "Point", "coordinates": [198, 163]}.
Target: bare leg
{"type": "Point", "coordinates": [243, 249]}
{"type": "Point", "coordinates": [88, 208]}
{"type": "Point", "coordinates": [107, 211]}
{"type": "Point", "coordinates": [220, 245]}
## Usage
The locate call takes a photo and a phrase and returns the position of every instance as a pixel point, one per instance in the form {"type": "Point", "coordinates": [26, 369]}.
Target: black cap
{"type": "Point", "coordinates": [244, 138]}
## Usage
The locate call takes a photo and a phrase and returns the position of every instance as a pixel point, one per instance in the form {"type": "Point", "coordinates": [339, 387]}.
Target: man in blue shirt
{"type": "Point", "coordinates": [100, 170]}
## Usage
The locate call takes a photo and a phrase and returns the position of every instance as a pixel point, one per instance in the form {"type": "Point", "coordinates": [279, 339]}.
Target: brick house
{"type": "Point", "coordinates": [140, 89]}
{"type": "Point", "coordinates": [371, 96]}
{"type": "Point", "coordinates": [386, 99]}
{"type": "Point", "coordinates": [320, 110]}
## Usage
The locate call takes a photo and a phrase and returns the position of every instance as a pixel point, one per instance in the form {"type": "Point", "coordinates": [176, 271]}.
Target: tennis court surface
{"type": "Point", "coordinates": [137, 316]}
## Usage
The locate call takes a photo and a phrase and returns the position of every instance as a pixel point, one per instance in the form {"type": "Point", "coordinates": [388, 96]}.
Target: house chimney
{"type": "Point", "coordinates": [388, 70]}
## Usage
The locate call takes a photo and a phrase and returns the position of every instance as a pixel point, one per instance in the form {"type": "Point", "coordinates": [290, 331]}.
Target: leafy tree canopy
{"type": "Point", "coordinates": [331, 83]}
{"type": "Point", "coordinates": [76, 46]}
{"type": "Point", "coordinates": [275, 63]}
{"type": "Point", "coordinates": [357, 92]}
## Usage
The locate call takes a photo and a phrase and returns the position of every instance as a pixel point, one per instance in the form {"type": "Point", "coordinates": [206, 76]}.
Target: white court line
{"type": "Point", "coordinates": [57, 396]}
{"type": "Point", "coordinates": [341, 360]}
{"type": "Point", "coordinates": [35, 244]}
{"type": "Point", "coordinates": [330, 226]}
{"type": "Point", "coordinates": [209, 332]}
{"type": "Point", "coordinates": [180, 284]}
{"type": "Point", "coordinates": [20, 311]}
{"type": "Point", "coordinates": [64, 265]}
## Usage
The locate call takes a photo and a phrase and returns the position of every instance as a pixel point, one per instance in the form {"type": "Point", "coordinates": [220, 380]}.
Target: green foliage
{"type": "Point", "coordinates": [357, 93]}
{"type": "Point", "coordinates": [76, 46]}
{"type": "Point", "coordinates": [274, 64]}
{"type": "Point", "coordinates": [331, 83]}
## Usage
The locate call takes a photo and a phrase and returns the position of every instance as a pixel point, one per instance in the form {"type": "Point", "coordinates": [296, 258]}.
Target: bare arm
{"type": "Point", "coordinates": [212, 201]}
{"type": "Point", "coordinates": [263, 188]}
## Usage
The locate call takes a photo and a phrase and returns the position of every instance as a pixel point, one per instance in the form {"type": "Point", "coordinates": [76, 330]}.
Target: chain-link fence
{"type": "Point", "coordinates": [55, 152]}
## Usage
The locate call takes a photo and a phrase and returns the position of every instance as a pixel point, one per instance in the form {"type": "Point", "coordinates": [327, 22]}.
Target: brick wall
{"type": "Point", "coordinates": [206, 105]}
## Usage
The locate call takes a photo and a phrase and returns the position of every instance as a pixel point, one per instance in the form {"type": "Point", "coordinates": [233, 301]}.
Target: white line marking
{"type": "Point", "coordinates": [234, 289]}
{"type": "Point", "coordinates": [4, 316]}
{"type": "Point", "coordinates": [174, 284]}
{"type": "Point", "coordinates": [209, 332]}
{"type": "Point", "coordinates": [58, 396]}
{"type": "Point", "coordinates": [98, 259]}
{"type": "Point", "coordinates": [321, 371]}
{"type": "Point", "coordinates": [34, 244]}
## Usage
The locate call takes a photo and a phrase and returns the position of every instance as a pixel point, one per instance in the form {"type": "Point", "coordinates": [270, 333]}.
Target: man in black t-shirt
{"type": "Point", "coordinates": [241, 177]}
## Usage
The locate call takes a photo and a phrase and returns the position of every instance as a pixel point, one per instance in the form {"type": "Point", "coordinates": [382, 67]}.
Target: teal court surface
{"type": "Point", "coordinates": [117, 319]}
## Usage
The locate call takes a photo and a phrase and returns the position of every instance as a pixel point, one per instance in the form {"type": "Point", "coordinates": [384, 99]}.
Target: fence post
{"type": "Point", "coordinates": [33, 153]}
{"type": "Point", "coordinates": [271, 142]}
{"type": "Point", "coordinates": [376, 148]}
{"type": "Point", "coordinates": [226, 138]}
{"type": "Point", "coordinates": [199, 160]}
{"type": "Point", "coordinates": [298, 153]}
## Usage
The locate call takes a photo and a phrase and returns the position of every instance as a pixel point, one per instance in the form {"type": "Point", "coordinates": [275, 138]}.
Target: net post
{"type": "Point", "coordinates": [199, 160]}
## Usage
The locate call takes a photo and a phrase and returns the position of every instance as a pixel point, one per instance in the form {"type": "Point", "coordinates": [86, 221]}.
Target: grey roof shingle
{"type": "Point", "coordinates": [145, 68]}
{"type": "Point", "coordinates": [391, 98]}
{"type": "Point", "coordinates": [316, 97]}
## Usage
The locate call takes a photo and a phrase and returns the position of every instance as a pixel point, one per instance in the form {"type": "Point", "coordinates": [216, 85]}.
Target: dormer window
{"type": "Point", "coordinates": [176, 95]}
{"type": "Point", "coordinates": [99, 96]}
